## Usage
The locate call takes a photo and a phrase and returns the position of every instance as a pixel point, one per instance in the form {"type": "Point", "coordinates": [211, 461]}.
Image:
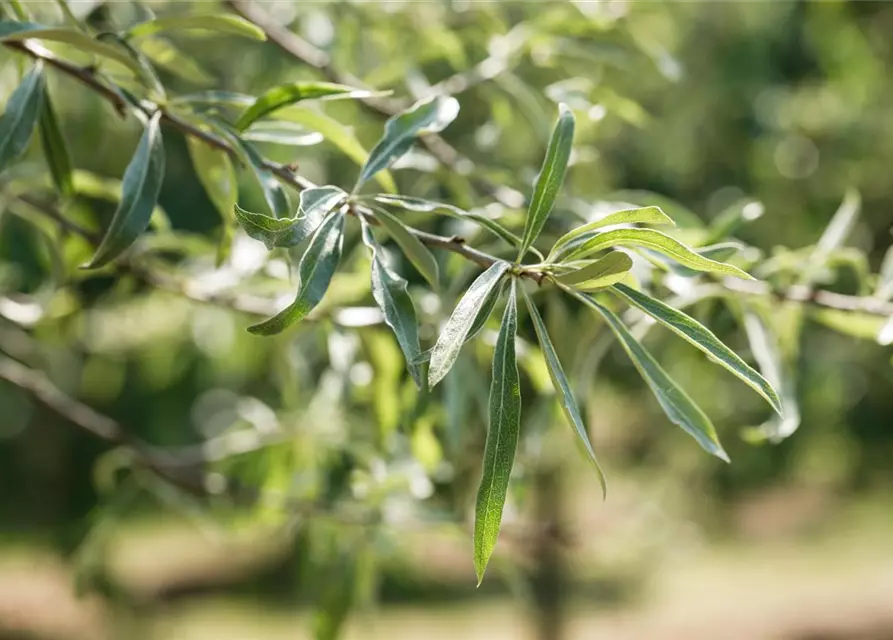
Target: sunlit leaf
{"type": "Point", "coordinates": [389, 291]}
{"type": "Point", "coordinates": [21, 115]}
{"type": "Point", "coordinates": [315, 271]}
{"type": "Point", "coordinates": [502, 439]}
{"type": "Point", "coordinates": [14, 31]}
{"type": "Point", "coordinates": [701, 337]}
{"type": "Point", "coordinates": [678, 406]}
{"type": "Point", "coordinates": [452, 337]}
{"type": "Point", "coordinates": [834, 235]}
{"type": "Point", "coordinates": [427, 206]}
{"type": "Point", "coordinates": [679, 213]}
{"type": "Point", "coordinates": [140, 187]}
{"type": "Point", "coordinates": [649, 239]}
{"type": "Point", "coordinates": [412, 247]}
{"type": "Point", "coordinates": [603, 272]}
{"type": "Point", "coordinates": [563, 387]}
{"type": "Point", "coordinates": [316, 203]}
{"type": "Point", "coordinates": [211, 22]}
{"type": "Point", "coordinates": [289, 93]}
{"type": "Point", "coordinates": [644, 215]}
{"type": "Point", "coordinates": [284, 133]}
{"type": "Point", "coordinates": [164, 55]}
{"type": "Point", "coordinates": [55, 150]}
{"type": "Point", "coordinates": [426, 116]}
{"type": "Point", "coordinates": [550, 178]}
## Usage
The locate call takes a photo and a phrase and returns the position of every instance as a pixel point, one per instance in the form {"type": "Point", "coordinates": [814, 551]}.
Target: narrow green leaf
{"type": "Point", "coordinates": [701, 337]}
{"type": "Point", "coordinates": [140, 187]}
{"type": "Point", "coordinates": [480, 321]}
{"type": "Point", "coordinates": [218, 177]}
{"type": "Point", "coordinates": [316, 270]}
{"type": "Point", "coordinates": [54, 148]}
{"type": "Point", "coordinates": [289, 93]}
{"type": "Point", "coordinates": [274, 192]}
{"type": "Point", "coordinates": [650, 239]}
{"type": "Point", "coordinates": [339, 135]}
{"type": "Point", "coordinates": [550, 179]}
{"type": "Point", "coordinates": [605, 271]}
{"type": "Point", "coordinates": [451, 339]}
{"type": "Point", "coordinates": [389, 291]}
{"type": "Point", "coordinates": [563, 387]}
{"type": "Point", "coordinates": [678, 406]}
{"type": "Point", "coordinates": [643, 215]}
{"type": "Point", "coordinates": [427, 206]}
{"type": "Point", "coordinates": [426, 116]}
{"type": "Point", "coordinates": [20, 116]}
{"type": "Point", "coordinates": [681, 215]}
{"type": "Point", "coordinates": [165, 55]}
{"type": "Point", "coordinates": [502, 439]}
{"type": "Point", "coordinates": [316, 203]}
{"type": "Point", "coordinates": [221, 22]}
{"type": "Point", "coordinates": [412, 247]}
{"type": "Point", "coordinates": [284, 133]}
{"type": "Point", "coordinates": [15, 31]}
{"type": "Point", "coordinates": [720, 252]}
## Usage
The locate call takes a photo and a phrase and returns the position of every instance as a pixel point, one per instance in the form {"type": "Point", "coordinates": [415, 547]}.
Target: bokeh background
{"type": "Point", "coordinates": [705, 103]}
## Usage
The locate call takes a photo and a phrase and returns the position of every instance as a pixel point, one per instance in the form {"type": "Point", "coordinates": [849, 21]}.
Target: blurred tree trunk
{"type": "Point", "coordinates": [548, 580]}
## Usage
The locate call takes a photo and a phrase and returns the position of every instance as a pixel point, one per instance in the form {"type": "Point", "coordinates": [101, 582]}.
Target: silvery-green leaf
{"type": "Point", "coordinates": [315, 271]}
{"type": "Point", "coordinates": [221, 22]}
{"type": "Point", "coordinates": [316, 203]}
{"type": "Point", "coordinates": [139, 193]}
{"type": "Point", "coordinates": [389, 291]}
{"type": "Point", "coordinates": [54, 148]}
{"type": "Point", "coordinates": [21, 115]}
{"type": "Point", "coordinates": [605, 271]}
{"type": "Point", "coordinates": [15, 31]}
{"type": "Point", "coordinates": [284, 133]}
{"type": "Point", "coordinates": [563, 387]}
{"type": "Point", "coordinates": [649, 239]}
{"type": "Point", "coordinates": [426, 116]}
{"type": "Point", "coordinates": [452, 337]}
{"type": "Point", "coordinates": [678, 406]}
{"type": "Point", "coordinates": [701, 337]}
{"type": "Point", "coordinates": [550, 178]}
{"type": "Point", "coordinates": [643, 215]}
{"type": "Point", "coordinates": [681, 215]}
{"type": "Point", "coordinates": [289, 93]}
{"type": "Point", "coordinates": [834, 235]}
{"type": "Point", "coordinates": [502, 439]}
{"type": "Point", "coordinates": [427, 206]}
{"type": "Point", "coordinates": [412, 247]}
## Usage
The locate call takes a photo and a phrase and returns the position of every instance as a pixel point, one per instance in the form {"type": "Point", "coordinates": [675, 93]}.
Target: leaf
{"type": "Point", "coordinates": [218, 178]}
{"type": "Point", "coordinates": [502, 439]}
{"type": "Point", "coordinates": [17, 31]}
{"type": "Point", "coordinates": [480, 321]}
{"type": "Point", "coordinates": [681, 215]}
{"type": "Point", "coordinates": [285, 133]}
{"type": "Point", "coordinates": [563, 387]}
{"type": "Point", "coordinates": [550, 178]}
{"type": "Point", "coordinates": [103, 188]}
{"type": "Point", "coordinates": [20, 116]}
{"type": "Point", "coordinates": [730, 219]}
{"type": "Point", "coordinates": [289, 93]}
{"type": "Point", "coordinates": [427, 206]}
{"type": "Point", "coordinates": [678, 406]}
{"type": "Point", "coordinates": [54, 148]}
{"type": "Point", "coordinates": [605, 271]}
{"type": "Point", "coordinates": [650, 239]}
{"type": "Point", "coordinates": [644, 215]}
{"type": "Point", "coordinates": [316, 270]}
{"type": "Point", "coordinates": [834, 235]}
{"type": "Point", "coordinates": [701, 337]}
{"type": "Point", "coordinates": [221, 22]}
{"type": "Point", "coordinates": [412, 247]}
{"type": "Point", "coordinates": [426, 116]}
{"type": "Point", "coordinates": [316, 203]}
{"type": "Point", "coordinates": [451, 339]}
{"type": "Point", "coordinates": [339, 135]}
{"type": "Point", "coordinates": [274, 192]}
{"type": "Point", "coordinates": [140, 187]}
{"type": "Point", "coordinates": [389, 291]}
{"type": "Point", "coordinates": [767, 352]}
{"type": "Point", "coordinates": [165, 55]}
